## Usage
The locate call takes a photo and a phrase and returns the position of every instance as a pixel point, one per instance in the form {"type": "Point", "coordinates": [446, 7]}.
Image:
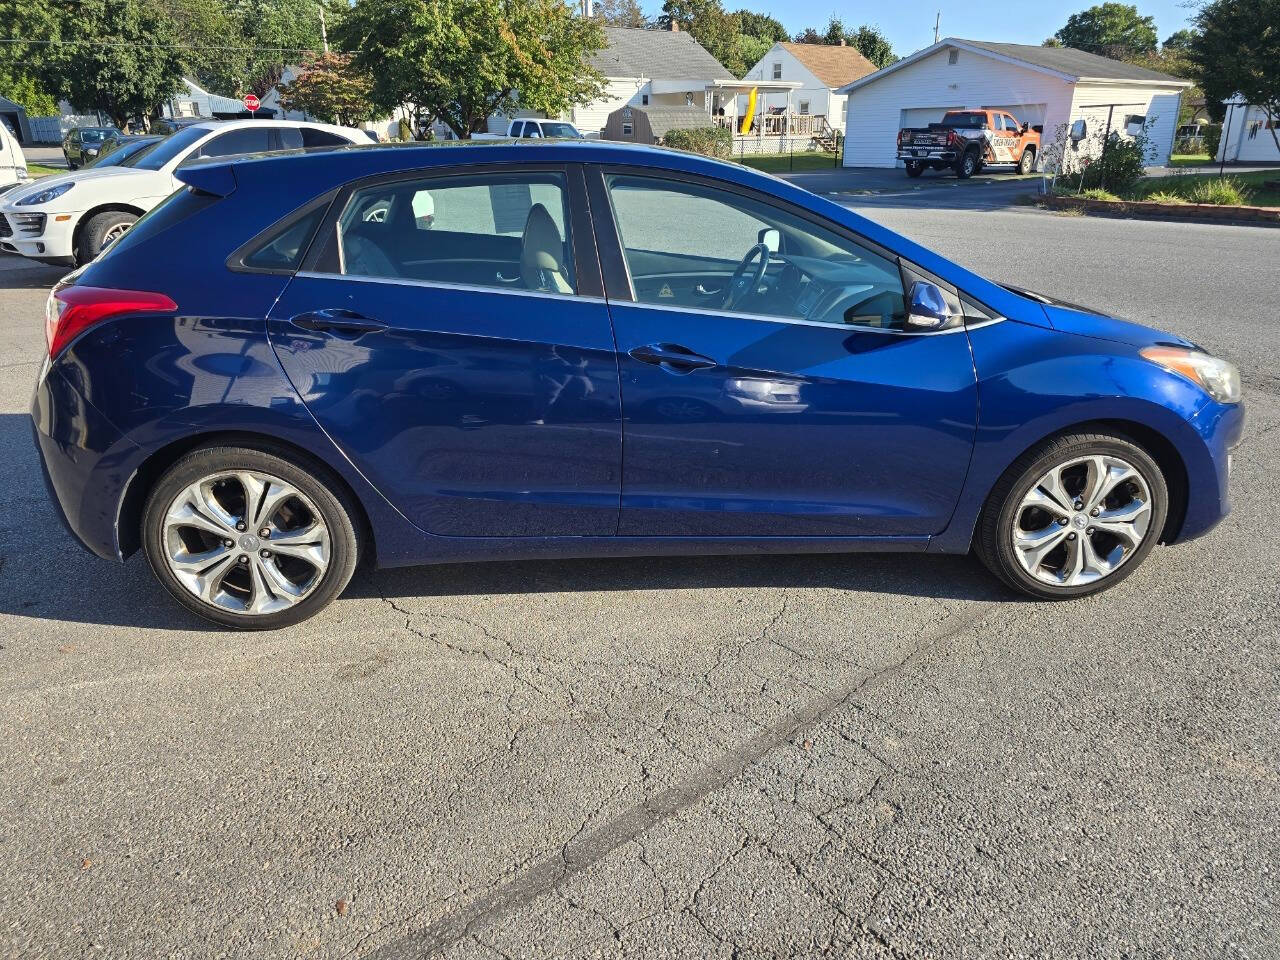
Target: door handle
{"type": "Point", "coordinates": [671, 356]}
{"type": "Point", "coordinates": [346, 323]}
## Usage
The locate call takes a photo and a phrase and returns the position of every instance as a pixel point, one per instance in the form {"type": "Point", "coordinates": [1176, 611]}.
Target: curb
{"type": "Point", "coordinates": [1196, 212]}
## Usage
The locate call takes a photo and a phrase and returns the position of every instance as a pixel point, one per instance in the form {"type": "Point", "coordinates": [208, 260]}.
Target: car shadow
{"type": "Point", "coordinates": [46, 575]}
{"type": "Point", "coordinates": [18, 273]}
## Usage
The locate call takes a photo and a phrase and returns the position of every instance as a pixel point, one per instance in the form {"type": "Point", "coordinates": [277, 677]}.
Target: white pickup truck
{"type": "Point", "coordinates": [533, 128]}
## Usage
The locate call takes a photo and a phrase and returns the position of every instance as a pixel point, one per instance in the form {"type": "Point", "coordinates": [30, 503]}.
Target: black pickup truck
{"type": "Point", "coordinates": [968, 140]}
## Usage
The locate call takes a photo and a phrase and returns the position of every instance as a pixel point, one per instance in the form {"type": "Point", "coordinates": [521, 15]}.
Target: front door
{"type": "Point", "coordinates": [768, 385]}
{"type": "Point", "coordinates": [447, 340]}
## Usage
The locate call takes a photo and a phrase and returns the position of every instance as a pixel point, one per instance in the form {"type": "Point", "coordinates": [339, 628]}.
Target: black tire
{"type": "Point", "coordinates": [311, 478]}
{"type": "Point", "coordinates": [968, 163]}
{"type": "Point", "coordinates": [915, 168]}
{"type": "Point", "coordinates": [993, 539]}
{"type": "Point", "coordinates": [97, 228]}
{"type": "Point", "coordinates": [72, 165]}
{"type": "Point", "coordinates": [1027, 162]}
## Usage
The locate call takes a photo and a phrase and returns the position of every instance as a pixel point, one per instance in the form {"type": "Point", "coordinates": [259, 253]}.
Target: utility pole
{"type": "Point", "coordinates": [937, 21]}
{"type": "Point", "coordinates": [324, 34]}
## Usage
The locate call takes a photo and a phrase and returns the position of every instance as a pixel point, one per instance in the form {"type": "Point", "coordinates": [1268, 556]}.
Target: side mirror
{"type": "Point", "coordinates": [771, 237]}
{"type": "Point", "coordinates": [1079, 130]}
{"type": "Point", "coordinates": [928, 309]}
{"type": "Point", "coordinates": [1026, 125]}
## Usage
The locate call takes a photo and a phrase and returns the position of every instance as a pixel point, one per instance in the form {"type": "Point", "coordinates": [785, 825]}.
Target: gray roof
{"type": "Point", "coordinates": [664, 119]}
{"type": "Point", "coordinates": [1074, 63]}
{"type": "Point", "coordinates": [656, 54]}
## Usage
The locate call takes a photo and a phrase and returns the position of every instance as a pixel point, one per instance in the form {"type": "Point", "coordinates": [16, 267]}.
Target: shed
{"type": "Point", "coordinates": [1048, 86]}
{"type": "Point", "coordinates": [14, 115]}
{"type": "Point", "coordinates": [650, 124]}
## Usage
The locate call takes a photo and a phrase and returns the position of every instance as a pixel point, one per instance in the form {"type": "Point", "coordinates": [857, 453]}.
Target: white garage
{"type": "Point", "coordinates": [1043, 86]}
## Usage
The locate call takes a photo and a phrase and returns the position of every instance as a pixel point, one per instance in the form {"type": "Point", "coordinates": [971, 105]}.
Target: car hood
{"type": "Point", "coordinates": [117, 176]}
{"type": "Point", "coordinates": [1085, 323]}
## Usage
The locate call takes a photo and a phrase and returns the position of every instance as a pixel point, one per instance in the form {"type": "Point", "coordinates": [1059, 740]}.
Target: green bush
{"type": "Point", "coordinates": [708, 141]}
{"type": "Point", "coordinates": [1096, 193]}
{"type": "Point", "coordinates": [1212, 137]}
{"type": "Point", "coordinates": [404, 130]}
{"type": "Point", "coordinates": [1120, 166]}
{"type": "Point", "coordinates": [1164, 196]}
{"type": "Point", "coordinates": [1224, 192]}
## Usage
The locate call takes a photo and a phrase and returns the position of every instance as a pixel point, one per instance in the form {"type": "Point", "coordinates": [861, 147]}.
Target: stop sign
{"type": "Point", "coordinates": [251, 102]}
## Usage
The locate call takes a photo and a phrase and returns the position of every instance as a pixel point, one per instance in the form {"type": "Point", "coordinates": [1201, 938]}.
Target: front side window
{"type": "Point", "coordinates": [235, 142]}
{"type": "Point", "coordinates": [502, 230]}
{"type": "Point", "coordinates": [736, 253]}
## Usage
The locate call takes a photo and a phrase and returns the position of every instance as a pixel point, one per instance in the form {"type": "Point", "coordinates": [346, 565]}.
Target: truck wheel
{"type": "Point", "coordinates": [1028, 161]}
{"type": "Point", "coordinates": [915, 168]}
{"type": "Point", "coordinates": [102, 230]}
{"type": "Point", "coordinates": [968, 164]}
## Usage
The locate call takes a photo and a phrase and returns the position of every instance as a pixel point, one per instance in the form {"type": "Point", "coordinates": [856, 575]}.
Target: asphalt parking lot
{"type": "Point", "coordinates": [786, 756]}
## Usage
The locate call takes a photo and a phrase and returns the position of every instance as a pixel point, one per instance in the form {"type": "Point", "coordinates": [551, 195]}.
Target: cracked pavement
{"type": "Point", "coordinates": [864, 756]}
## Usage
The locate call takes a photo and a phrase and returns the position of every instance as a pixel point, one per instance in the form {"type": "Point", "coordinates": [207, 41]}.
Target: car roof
{"type": "Point", "coordinates": [258, 121]}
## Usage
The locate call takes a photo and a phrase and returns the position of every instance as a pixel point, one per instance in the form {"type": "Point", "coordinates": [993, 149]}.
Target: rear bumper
{"type": "Point", "coordinates": [927, 156]}
{"type": "Point", "coordinates": [86, 462]}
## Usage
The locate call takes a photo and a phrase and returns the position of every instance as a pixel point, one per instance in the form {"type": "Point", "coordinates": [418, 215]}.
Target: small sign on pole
{"type": "Point", "coordinates": [251, 102]}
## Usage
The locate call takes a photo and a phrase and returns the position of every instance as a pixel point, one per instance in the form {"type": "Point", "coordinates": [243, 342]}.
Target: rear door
{"type": "Point", "coordinates": [449, 334]}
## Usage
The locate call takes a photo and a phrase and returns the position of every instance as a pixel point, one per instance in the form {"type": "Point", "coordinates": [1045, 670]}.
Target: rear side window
{"type": "Point", "coordinates": [167, 213]}
{"type": "Point", "coordinates": [283, 249]}
{"type": "Point", "coordinates": [240, 140]}
{"type": "Point", "coordinates": [321, 138]}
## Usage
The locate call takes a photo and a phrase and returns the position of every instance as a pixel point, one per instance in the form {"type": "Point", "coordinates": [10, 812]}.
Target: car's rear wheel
{"type": "Point", "coordinates": [1027, 162]}
{"type": "Point", "coordinates": [101, 230]}
{"type": "Point", "coordinates": [915, 168]}
{"type": "Point", "coordinates": [968, 163]}
{"type": "Point", "coordinates": [249, 538]}
{"type": "Point", "coordinates": [1074, 516]}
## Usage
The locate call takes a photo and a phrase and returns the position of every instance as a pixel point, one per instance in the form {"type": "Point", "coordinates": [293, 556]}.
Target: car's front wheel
{"type": "Point", "coordinates": [1027, 162]}
{"type": "Point", "coordinates": [250, 538]}
{"type": "Point", "coordinates": [100, 231]}
{"type": "Point", "coordinates": [1074, 516]}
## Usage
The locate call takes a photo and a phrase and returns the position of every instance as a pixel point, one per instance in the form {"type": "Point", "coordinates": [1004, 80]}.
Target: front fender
{"type": "Point", "coordinates": [1034, 383]}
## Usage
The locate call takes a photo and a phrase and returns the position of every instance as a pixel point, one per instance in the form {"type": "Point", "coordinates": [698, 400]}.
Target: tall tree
{"type": "Point", "coordinates": [1110, 29]}
{"type": "Point", "coordinates": [761, 26]}
{"type": "Point", "coordinates": [462, 60]}
{"type": "Point", "coordinates": [1179, 40]}
{"type": "Point", "coordinates": [330, 88]}
{"type": "Point", "coordinates": [621, 13]}
{"type": "Point", "coordinates": [1237, 52]}
{"type": "Point", "coordinates": [873, 45]}
{"type": "Point", "coordinates": [708, 23]}
{"type": "Point", "coordinates": [117, 56]}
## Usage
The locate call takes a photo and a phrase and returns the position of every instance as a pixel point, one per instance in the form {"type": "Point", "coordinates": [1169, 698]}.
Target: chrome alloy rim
{"type": "Point", "coordinates": [246, 542]}
{"type": "Point", "coordinates": [114, 233]}
{"type": "Point", "coordinates": [1082, 520]}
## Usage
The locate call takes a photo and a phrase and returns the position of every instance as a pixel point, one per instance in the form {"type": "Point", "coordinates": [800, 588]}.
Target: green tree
{"type": "Point", "coordinates": [760, 26]}
{"type": "Point", "coordinates": [621, 13]}
{"type": "Point", "coordinates": [462, 60]}
{"type": "Point", "coordinates": [1237, 52]}
{"type": "Point", "coordinates": [708, 23]}
{"type": "Point", "coordinates": [331, 89]}
{"type": "Point", "coordinates": [1110, 29]}
{"type": "Point", "coordinates": [1178, 40]}
{"type": "Point", "coordinates": [873, 45]}
{"type": "Point", "coordinates": [21, 87]}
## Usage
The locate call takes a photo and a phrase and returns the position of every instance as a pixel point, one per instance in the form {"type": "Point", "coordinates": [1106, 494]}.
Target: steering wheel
{"type": "Point", "coordinates": [740, 284]}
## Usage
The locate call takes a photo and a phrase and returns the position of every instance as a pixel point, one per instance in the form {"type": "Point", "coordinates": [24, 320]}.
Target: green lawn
{"type": "Point", "coordinates": [787, 163]}
{"type": "Point", "coordinates": [38, 170]}
{"type": "Point", "coordinates": [1190, 160]}
{"type": "Point", "coordinates": [1251, 185]}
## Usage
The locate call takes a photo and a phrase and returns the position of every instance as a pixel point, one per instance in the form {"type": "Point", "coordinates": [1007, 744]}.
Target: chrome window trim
{"type": "Point", "coordinates": [446, 285]}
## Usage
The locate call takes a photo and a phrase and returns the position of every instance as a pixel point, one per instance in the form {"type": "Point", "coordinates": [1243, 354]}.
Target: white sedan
{"type": "Point", "coordinates": [68, 219]}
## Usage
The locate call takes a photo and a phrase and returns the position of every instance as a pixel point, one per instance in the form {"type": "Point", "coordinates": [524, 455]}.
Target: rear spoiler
{"type": "Point", "coordinates": [218, 179]}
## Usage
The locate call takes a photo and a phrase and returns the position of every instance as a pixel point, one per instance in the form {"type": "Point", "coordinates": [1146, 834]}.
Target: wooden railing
{"type": "Point", "coordinates": [775, 125]}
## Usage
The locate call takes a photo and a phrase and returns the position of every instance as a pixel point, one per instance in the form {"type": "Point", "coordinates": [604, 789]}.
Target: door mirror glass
{"type": "Point", "coordinates": [1079, 130]}
{"type": "Point", "coordinates": [928, 309]}
{"type": "Point", "coordinates": [771, 238]}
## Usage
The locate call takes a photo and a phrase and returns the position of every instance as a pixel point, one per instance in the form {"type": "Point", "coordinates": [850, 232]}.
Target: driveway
{"type": "Point", "coordinates": [870, 756]}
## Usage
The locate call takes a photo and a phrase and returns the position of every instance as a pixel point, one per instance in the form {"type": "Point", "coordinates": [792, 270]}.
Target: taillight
{"type": "Point", "coordinates": [71, 310]}
{"type": "Point", "coordinates": [953, 138]}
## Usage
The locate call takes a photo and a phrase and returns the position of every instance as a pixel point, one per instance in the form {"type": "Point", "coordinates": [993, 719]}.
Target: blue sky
{"type": "Point", "coordinates": [909, 25]}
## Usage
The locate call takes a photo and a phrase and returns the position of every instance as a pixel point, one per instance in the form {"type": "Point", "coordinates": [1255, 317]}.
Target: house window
{"type": "Point", "coordinates": [644, 99]}
{"type": "Point", "coordinates": [953, 56]}
{"type": "Point", "coordinates": [777, 71]}
{"type": "Point", "coordinates": [627, 130]}
{"type": "Point", "coordinates": [804, 106]}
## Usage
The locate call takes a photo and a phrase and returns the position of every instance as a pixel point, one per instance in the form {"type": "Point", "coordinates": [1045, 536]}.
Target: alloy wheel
{"type": "Point", "coordinates": [246, 542]}
{"type": "Point", "coordinates": [1082, 520]}
{"type": "Point", "coordinates": [114, 233]}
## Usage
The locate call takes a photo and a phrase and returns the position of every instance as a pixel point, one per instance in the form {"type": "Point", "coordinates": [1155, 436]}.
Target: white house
{"type": "Point", "coordinates": [1047, 86]}
{"type": "Point", "coordinates": [1247, 134]}
{"type": "Point", "coordinates": [642, 68]}
{"type": "Point", "coordinates": [821, 71]}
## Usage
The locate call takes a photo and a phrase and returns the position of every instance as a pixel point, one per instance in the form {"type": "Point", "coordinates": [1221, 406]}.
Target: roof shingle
{"type": "Point", "coordinates": [1074, 63]}
{"type": "Point", "coordinates": [833, 65]}
{"type": "Point", "coordinates": [657, 55]}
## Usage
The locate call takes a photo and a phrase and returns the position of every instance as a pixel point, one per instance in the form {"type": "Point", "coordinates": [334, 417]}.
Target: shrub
{"type": "Point", "coordinates": [1120, 166]}
{"type": "Point", "coordinates": [404, 130]}
{"type": "Point", "coordinates": [1212, 137]}
{"type": "Point", "coordinates": [708, 141]}
{"type": "Point", "coordinates": [1224, 192]}
{"type": "Point", "coordinates": [1164, 196]}
{"type": "Point", "coordinates": [1096, 193]}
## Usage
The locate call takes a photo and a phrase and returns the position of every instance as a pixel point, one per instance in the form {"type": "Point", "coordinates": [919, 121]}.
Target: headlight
{"type": "Point", "coordinates": [1219, 378]}
{"type": "Point", "coordinates": [44, 196]}
{"type": "Point", "coordinates": [92, 151]}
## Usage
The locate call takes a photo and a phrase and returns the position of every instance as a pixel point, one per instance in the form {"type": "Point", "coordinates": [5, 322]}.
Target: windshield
{"type": "Point", "coordinates": [170, 147]}
{"type": "Point", "coordinates": [971, 121]}
{"type": "Point", "coordinates": [95, 134]}
{"type": "Point", "coordinates": [558, 130]}
{"type": "Point", "coordinates": [134, 155]}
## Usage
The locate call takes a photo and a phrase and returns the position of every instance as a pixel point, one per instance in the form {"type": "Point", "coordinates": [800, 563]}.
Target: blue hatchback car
{"type": "Point", "coordinates": [424, 354]}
